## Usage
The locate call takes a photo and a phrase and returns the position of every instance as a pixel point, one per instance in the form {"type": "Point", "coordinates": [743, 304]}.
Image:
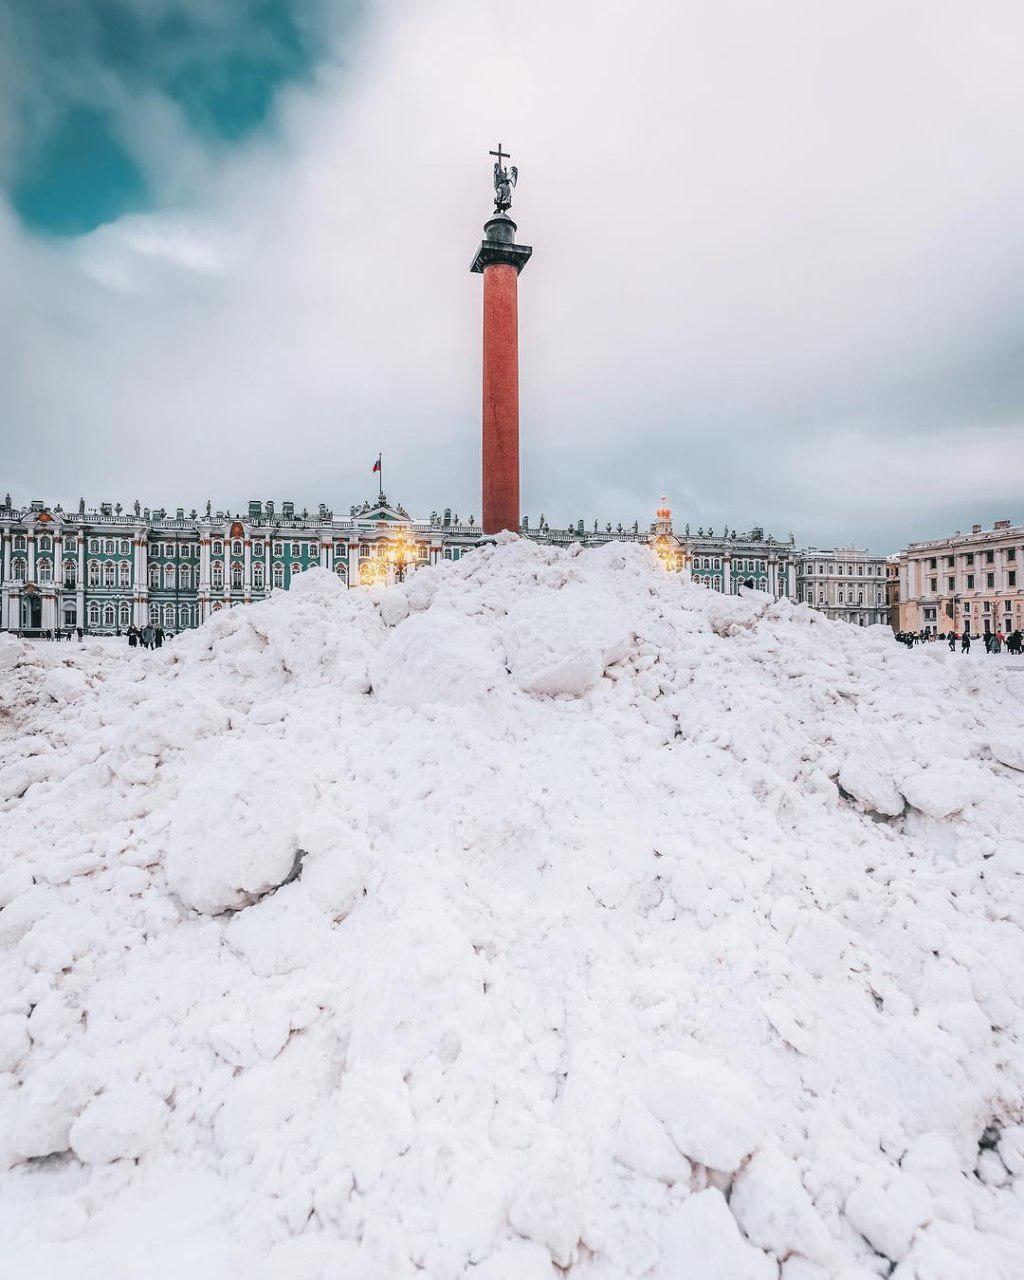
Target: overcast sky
{"type": "Point", "coordinates": [778, 268]}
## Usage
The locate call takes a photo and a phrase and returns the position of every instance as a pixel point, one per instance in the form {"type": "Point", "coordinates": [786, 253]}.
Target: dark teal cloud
{"type": "Point", "coordinates": [79, 64]}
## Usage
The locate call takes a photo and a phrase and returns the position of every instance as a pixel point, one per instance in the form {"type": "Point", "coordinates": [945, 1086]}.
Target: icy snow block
{"type": "Point", "coordinates": [701, 1238]}
{"type": "Point", "coordinates": [232, 834]}
{"type": "Point", "coordinates": [436, 657]}
{"type": "Point", "coordinates": [774, 1210]}
{"type": "Point", "coordinates": [888, 1215]}
{"type": "Point", "coordinates": [559, 644]}
{"type": "Point", "coordinates": [122, 1123]}
{"type": "Point", "coordinates": [711, 1113]}
{"type": "Point", "coordinates": [942, 790]}
{"type": "Point", "coordinates": [872, 785]}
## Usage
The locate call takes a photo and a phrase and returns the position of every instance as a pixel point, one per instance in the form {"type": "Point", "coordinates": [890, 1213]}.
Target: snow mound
{"type": "Point", "coordinates": [546, 915]}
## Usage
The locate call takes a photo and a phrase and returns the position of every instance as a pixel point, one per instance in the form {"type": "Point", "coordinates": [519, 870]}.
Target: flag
{"type": "Point", "coordinates": [376, 465]}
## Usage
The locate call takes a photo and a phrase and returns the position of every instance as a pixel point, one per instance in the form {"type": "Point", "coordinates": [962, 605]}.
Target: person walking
{"type": "Point", "coordinates": [80, 634]}
{"type": "Point", "coordinates": [999, 642]}
{"type": "Point", "coordinates": [133, 636]}
{"type": "Point", "coordinates": [965, 641]}
{"type": "Point", "coordinates": [952, 642]}
{"type": "Point", "coordinates": [158, 636]}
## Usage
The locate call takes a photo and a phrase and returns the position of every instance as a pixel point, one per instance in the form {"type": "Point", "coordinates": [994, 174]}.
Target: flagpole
{"type": "Point", "coordinates": [380, 475]}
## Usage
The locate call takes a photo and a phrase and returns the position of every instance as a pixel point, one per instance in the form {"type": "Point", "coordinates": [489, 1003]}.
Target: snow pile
{"type": "Point", "coordinates": [546, 915]}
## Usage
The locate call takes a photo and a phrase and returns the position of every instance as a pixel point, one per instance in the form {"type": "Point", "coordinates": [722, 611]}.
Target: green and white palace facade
{"type": "Point", "coordinates": [104, 569]}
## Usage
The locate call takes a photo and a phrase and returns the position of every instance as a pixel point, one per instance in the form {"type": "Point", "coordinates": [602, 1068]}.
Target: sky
{"type": "Point", "coordinates": [778, 268]}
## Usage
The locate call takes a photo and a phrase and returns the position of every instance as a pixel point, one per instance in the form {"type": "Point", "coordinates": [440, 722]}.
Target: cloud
{"type": "Point", "coordinates": [777, 259]}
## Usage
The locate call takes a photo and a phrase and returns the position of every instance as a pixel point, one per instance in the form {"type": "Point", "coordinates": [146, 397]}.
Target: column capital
{"type": "Point", "coordinates": [499, 246]}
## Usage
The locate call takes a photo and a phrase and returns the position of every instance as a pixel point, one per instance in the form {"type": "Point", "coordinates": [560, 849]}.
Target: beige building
{"type": "Point", "coordinates": [845, 583]}
{"type": "Point", "coordinates": [970, 580]}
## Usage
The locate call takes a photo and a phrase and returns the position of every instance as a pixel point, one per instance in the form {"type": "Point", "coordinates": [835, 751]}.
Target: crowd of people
{"type": "Point", "coordinates": [994, 640]}
{"type": "Point", "coordinates": [151, 636]}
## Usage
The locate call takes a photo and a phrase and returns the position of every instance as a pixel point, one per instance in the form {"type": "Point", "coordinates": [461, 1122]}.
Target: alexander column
{"type": "Point", "coordinates": [500, 260]}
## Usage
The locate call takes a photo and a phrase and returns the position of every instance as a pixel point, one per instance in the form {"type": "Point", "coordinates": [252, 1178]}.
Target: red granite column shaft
{"type": "Point", "coordinates": [501, 399]}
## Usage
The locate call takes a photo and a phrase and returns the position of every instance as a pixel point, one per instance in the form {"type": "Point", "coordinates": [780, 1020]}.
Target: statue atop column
{"type": "Point", "coordinates": [504, 181]}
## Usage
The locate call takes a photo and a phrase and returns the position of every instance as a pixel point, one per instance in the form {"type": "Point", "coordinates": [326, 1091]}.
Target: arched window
{"type": "Point", "coordinates": [125, 611]}
{"type": "Point", "coordinates": [218, 548]}
{"type": "Point", "coordinates": [860, 597]}
{"type": "Point", "coordinates": [20, 570]}
{"type": "Point", "coordinates": [110, 546]}
{"type": "Point", "coordinates": [236, 547]}
{"type": "Point", "coordinates": [169, 617]}
{"type": "Point", "coordinates": [840, 597]}
{"type": "Point", "coordinates": [236, 577]}
{"type": "Point", "coordinates": [257, 577]}
{"type": "Point", "coordinates": [19, 542]}
{"type": "Point", "coordinates": [108, 615]}
{"type": "Point", "coordinates": [169, 575]}
{"type": "Point", "coordinates": [44, 570]}
{"type": "Point", "coordinates": [70, 573]}
{"type": "Point", "coordinates": [125, 573]}
{"type": "Point", "coordinates": [94, 615]}
{"type": "Point", "coordinates": [183, 615]}
{"type": "Point", "coordinates": [126, 547]}
{"type": "Point", "coordinates": [185, 577]}
{"type": "Point", "coordinates": [154, 615]}
{"type": "Point", "coordinates": [93, 573]}
{"type": "Point", "coordinates": [109, 570]}
{"type": "Point", "coordinates": [217, 575]}
{"type": "Point", "coordinates": [341, 569]}
{"type": "Point", "coordinates": [70, 615]}
{"type": "Point", "coordinates": [278, 575]}
{"type": "Point", "coordinates": [45, 544]}
{"type": "Point", "coordinates": [154, 575]}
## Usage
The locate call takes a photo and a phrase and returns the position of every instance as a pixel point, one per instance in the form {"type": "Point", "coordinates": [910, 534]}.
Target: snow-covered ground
{"type": "Point", "coordinates": [546, 912]}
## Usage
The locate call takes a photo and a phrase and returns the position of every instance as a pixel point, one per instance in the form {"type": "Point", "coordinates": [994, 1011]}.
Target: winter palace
{"type": "Point", "coordinates": [105, 568]}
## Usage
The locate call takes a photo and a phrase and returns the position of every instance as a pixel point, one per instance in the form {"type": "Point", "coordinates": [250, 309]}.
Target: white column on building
{"type": "Point", "coordinates": [353, 562]}
{"type": "Point", "coordinates": [227, 568]}
{"type": "Point", "coordinates": [5, 591]}
{"type": "Point", "coordinates": [325, 551]}
{"type": "Point", "coordinates": [268, 581]}
{"type": "Point", "coordinates": [204, 574]}
{"type": "Point", "coordinates": [247, 567]}
{"type": "Point", "coordinates": [58, 560]}
{"type": "Point", "coordinates": [727, 573]}
{"type": "Point", "coordinates": [32, 555]}
{"type": "Point", "coordinates": [140, 596]}
{"type": "Point", "coordinates": [80, 594]}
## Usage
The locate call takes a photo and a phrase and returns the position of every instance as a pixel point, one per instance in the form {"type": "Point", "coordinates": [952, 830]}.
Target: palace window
{"type": "Point", "coordinates": [1011, 553]}
{"type": "Point", "coordinates": [109, 572]}
{"type": "Point", "coordinates": [933, 585]}
{"type": "Point", "coordinates": [154, 615]}
{"type": "Point", "coordinates": [1011, 578]}
{"type": "Point", "coordinates": [93, 573]}
{"type": "Point", "coordinates": [69, 615]}
{"type": "Point", "coordinates": [44, 571]}
{"type": "Point", "coordinates": [950, 584]}
{"type": "Point", "coordinates": [990, 557]}
{"type": "Point", "coordinates": [109, 547]}
{"type": "Point", "coordinates": [185, 577]}
{"type": "Point", "coordinates": [841, 601]}
{"type": "Point", "coordinates": [879, 600]}
{"type": "Point", "coordinates": [126, 574]}
{"type": "Point", "coordinates": [296, 548]}
{"type": "Point", "coordinates": [44, 544]}
{"type": "Point", "coordinates": [183, 615]}
{"type": "Point", "coordinates": [341, 569]}
{"type": "Point", "coordinates": [257, 548]}
{"type": "Point", "coordinates": [218, 548]}
{"type": "Point", "coordinates": [970, 582]}
{"type": "Point", "coordinates": [19, 543]}
{"type": "Point", "coordinates": [168, 575]}
{"type": "Point", "coordinates": [257, 577]}
{"type": "Point", "coordinates": [94, 615]}
{"type": "Point", "coordinates": [19, 569]}
{"type": "Point", "coordinates": [236, 577]}
{"type": "Point", "coordinates": [70, 573]}
{"type": "Point", "coordinates": [126, 547]}
{"type": "Point", "coordinates": [108, 615]}
{"type": "Point", "coordinates": [969, 557]}
{"type": "Point", "coordinates": [217, 575]}
{"type": "Point", "coordinates": [154, 575]}
{"type": "Point", "coordinates": [125, 612]}
{"type": "Point", "coordinates": [236, 547]}
{"type": "Point", "coordinates": [169, 617]}
{"type": "Point", "coordinates": [990, 580]}
{"type": "Point", "coordinates": [278, 549]}
{"type": "Point", "coordinates": [278, 575]}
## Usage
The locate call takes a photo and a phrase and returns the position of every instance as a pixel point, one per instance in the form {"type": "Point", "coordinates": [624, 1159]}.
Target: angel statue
{"type": "Point", "coordinates": [504, 181]}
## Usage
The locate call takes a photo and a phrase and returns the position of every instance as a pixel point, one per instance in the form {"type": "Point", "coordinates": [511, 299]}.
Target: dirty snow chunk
{"type": "Point", "coordinates": [517, 1260]}
{"type": "Point", "coordinates": [942, 790]}
{"type": "Point", "coordinates": [642, 1144]}
{"type": "Point", "coordinates": [701, 1238]}
{"type": "Point", "coordinates": [436, 657]}
{"type": "Point", "coordinates": [1010, 753]}
{"type": "Point", "coordinates": [232, 834]}
{"type": "Point", "coordinates": [887, 1215]}
{"type": "Point", "coordinates": [123, 1123]}
{"type": "Point", "coordinates": [872, 785]}
{"type": "Point", "coordinates": [711, 1113]}
{"type": "Point", "coordinates": [560, 644]}
{"type": "Point", "coordinates": [48, 1104]}
{"type": "Point", "coordinates": [14, 1040]}
{"type": "Point", "coordinates": [14, 881]}
{"type": "Point", "coordinates": [774, 1210]}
